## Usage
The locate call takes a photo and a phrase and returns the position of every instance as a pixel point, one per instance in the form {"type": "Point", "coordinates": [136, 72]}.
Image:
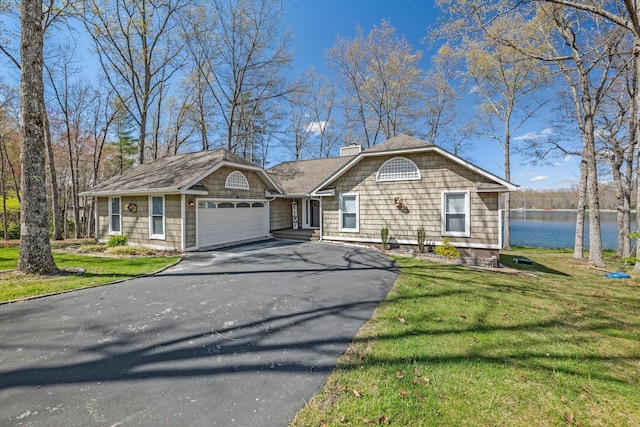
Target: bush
{"type": "Point", "coordinates": [384, 236]}
{"type": "Point", "coordinates": [421, 235]}
{"type": "Point", "coordinates": [14, 230]}
{"type": "Point", "coordinates": [447, 250]}
{"type": "Point", "coordinates": [117, 241]}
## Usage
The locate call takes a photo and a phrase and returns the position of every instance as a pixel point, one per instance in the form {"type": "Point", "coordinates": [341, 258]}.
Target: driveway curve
{"type": "Point", "coordinates": [243, 336]}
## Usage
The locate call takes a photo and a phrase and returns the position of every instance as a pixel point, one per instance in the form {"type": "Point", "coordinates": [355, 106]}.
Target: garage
{"type": "Point", "coordinates": [224, 222]}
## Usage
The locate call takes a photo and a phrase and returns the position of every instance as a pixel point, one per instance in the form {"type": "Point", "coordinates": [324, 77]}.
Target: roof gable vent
{"type": "Point", "coordinates": [351, 150]}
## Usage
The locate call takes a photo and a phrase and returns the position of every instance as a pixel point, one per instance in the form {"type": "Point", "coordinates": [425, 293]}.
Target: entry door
{"type": "Point", "coordinates": [311, 213]}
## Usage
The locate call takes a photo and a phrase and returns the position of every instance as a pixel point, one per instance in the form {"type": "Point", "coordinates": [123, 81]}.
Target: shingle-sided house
{"type": "Point", "coordinates": [214, 198]}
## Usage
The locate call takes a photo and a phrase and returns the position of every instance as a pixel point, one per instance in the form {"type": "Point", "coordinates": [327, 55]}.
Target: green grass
{"type": "Point", "coordinates": [98, 270]}
{"type": "Point", "coordinates": [555, 344]}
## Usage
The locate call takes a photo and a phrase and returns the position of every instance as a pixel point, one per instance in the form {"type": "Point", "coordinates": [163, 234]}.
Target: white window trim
{"type": "Point", "coordinates": [350, 230]}
{"type": "Point", "coordinates": [382, 179]}
{"type": "Point", "coordinates": [164, 215]}
{"type": "Point", "coordinates": [228, 184]}
{"type": "Point", "coordinates": [467, 214]}
{"type": "Point", "coordinates": [111, 213]}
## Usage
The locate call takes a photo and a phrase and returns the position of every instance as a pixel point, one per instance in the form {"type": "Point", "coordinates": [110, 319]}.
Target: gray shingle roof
{"type": "Point", "coordinates": [171, 172]}
{"type": "Point", "coordinates": [398, 142]}
{"type": "Point", "coordinates": [300, 177]}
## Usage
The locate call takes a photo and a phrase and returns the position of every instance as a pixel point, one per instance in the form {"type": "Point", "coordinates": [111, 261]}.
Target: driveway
{"type": "Point", "coordinates": [243, 337]}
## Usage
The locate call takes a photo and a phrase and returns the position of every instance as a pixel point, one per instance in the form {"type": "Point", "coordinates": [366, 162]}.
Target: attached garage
{"type": "Point", "coordinates": [224, 222]}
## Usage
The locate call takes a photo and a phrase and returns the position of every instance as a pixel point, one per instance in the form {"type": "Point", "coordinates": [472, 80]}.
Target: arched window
{"type": "Point", "coordinates": [398, 169]}
{"type": "Point", "coordinates": [236, 180]}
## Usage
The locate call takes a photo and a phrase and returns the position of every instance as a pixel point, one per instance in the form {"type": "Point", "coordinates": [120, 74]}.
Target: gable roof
{"type": "Point", "coordinates": [401, 144]}
{"type": "Point", "coordinates": [302, 176]}
{"type": "Point", "coordinates": [176, 174]}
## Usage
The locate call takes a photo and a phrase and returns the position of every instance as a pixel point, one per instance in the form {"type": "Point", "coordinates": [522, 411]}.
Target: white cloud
{"type": "Point", "coordinates": [534, 135]}
{"type": "Point", "coordinates": [567, 158]}
{"type": "Point", "coordinates": [539, 178]}
{"type": "Point", "coordinates": [316, 127]}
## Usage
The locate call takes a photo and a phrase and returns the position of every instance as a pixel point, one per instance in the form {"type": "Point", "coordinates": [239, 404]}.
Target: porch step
{"type": "Point", "coordinates": [303, 235]}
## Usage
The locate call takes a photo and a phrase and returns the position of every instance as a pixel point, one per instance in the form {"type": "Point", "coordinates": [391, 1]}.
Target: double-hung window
{"type": "Point", "coordinates": [456, 214]}
{"type": "Point", "coordinates": [349, 213]}
{"type": "Point", "coordinates": [115, 216]}
{"type": "Point", "coordinates": [156, 217]}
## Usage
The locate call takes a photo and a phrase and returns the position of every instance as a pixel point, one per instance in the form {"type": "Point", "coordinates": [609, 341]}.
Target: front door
{"type": "Point", "coordinates": [311, 213]}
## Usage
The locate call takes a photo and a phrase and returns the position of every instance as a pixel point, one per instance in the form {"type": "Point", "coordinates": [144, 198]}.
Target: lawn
{"type": "Point", "coordinates": [97, 270]}
{"type": "Point", "coordinates": [554, 344]}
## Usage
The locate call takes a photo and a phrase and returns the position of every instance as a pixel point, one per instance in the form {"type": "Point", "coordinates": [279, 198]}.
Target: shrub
{"type": "Point", "coordinates": [421, 235]}
{"type": "Point", "coordinates": [14, 230]}
{"type": "Point", "coordinates": [447, 250]}
{"type": "Point", "coordinates": [384, 235]}
{"type": "Point", "coordinates": [117, 241]}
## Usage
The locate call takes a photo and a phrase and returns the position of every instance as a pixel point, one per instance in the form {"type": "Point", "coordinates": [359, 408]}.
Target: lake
{"type": "Point", "coordinates": [556, 229]}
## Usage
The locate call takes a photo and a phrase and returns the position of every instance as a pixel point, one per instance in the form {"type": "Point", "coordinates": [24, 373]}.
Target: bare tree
{"type": "Point", "coordinates": [506, 85]}
{"type": "Point", "coordinates": [241, 54]}
{"type": "Point", "coordinates": [139, 49]}
{"type": "Point", "coordinates": [382, 78]}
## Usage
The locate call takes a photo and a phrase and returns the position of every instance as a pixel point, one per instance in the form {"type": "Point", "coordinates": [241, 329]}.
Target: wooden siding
{"type": "Point", "coordinates": [102, 227]}
{"type": "Point", "coordinates": [215, 185]}
{"type": "Point", "coordinates": [280, 214]}
{"type": "Point", "coordinates": [423, 198]}
{"type": "Point", "coordinates": [135, 225]}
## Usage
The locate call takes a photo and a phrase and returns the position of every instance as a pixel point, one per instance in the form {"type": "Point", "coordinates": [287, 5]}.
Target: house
{"type": "Point", "coordinates": [214, 198]}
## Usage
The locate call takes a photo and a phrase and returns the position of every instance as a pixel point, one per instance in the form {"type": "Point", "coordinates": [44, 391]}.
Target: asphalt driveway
{"type": "Point", "coordinates": [243, 337]}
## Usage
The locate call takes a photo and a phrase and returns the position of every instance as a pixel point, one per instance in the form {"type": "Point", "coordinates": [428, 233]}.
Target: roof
{"type": "Point", "coordinates": [400, 144]}
{"type": "Point", "coordinates": [302, 176]}
{"type": "Point", "coordinates": [174, 174]}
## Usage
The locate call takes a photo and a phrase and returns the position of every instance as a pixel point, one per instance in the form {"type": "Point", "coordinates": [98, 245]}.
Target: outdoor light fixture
{"type": "Point", "coordinates": [190, 202]}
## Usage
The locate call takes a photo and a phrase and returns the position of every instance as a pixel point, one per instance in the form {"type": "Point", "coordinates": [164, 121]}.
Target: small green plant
{"type": "Point", "coordinates": [117, 241]}
{"type": "Point", "coordinates": [421, 235]}
{"type": "Point", "coordinates": [447, 250]}
{"type": "Point", "coordinates": [384, 235]}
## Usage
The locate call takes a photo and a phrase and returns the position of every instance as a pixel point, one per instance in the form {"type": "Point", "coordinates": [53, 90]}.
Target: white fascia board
{"type": "Point", "coordinates": [134, 192]}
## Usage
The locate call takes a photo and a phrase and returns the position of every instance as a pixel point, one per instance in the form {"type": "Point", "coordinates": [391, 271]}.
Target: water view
{"type": "Point", "coordinates": [556, 229]}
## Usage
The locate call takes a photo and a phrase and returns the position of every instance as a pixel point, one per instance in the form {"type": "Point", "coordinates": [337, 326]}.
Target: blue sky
{"type": "Point", "coordinates": [316, 23]}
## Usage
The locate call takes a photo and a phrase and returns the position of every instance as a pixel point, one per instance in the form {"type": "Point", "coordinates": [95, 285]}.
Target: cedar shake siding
{"type": "Point", "coordinates": [135, 225]}
{"type": "Point", "coordinates": [215, 185]}
{"type": "Point", "coordinates": [280, 213]}
{"type": "Point", "coordinates": [422, 198]}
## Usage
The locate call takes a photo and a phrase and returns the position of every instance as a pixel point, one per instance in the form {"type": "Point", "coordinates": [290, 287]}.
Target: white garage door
{"type": "Point", "coordinates": [223, 222]}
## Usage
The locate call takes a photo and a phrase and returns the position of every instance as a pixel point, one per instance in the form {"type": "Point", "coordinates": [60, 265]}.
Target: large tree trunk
{"type": "Point", "coordinates": [35, 249]}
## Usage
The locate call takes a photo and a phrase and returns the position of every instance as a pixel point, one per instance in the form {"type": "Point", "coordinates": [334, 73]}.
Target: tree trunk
{"type": "Point", "coordinates": [58, 219]}
{"type": "Point", "coordinates": [506, 243]}
{"type": "Point", "coordinates": [578, 245]}
{"type": "Point", "coordinates": [35, 249]}
{"type": "Point", "coordinates": [5, 214]}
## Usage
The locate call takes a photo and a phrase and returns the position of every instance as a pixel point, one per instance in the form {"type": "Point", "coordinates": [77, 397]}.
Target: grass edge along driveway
{"type": "Point", "coordinates": [559, 345]}
{"type": "Point", "coordinates": [98, 270]}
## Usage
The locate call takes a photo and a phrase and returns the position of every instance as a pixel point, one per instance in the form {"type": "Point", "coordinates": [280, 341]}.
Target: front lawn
{"type": "Point", "coordinates": [97, 270]}
{"type": "Point", "coordinates": [555, 344]}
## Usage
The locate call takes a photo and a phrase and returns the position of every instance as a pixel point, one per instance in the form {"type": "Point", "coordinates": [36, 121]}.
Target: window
{"type": "Point", "coordinates": [243, 205]}
{"type": "Point", "coordinates": [349, 213]}
{"type": "Point", "coordinates": [455, 214]}
{"type": "Point", "coordinates": [258, 205]}
{"type": "Point", "coordinates": [156, 218]}
{"type": "Point", "coordinates": [225, 205]}
{"type": "Point", "coordinates": [236, 180]}
{"type": "Point", "coordinates": [398, 169]}
{"type": "Point", "coordinates": [115, 226]}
